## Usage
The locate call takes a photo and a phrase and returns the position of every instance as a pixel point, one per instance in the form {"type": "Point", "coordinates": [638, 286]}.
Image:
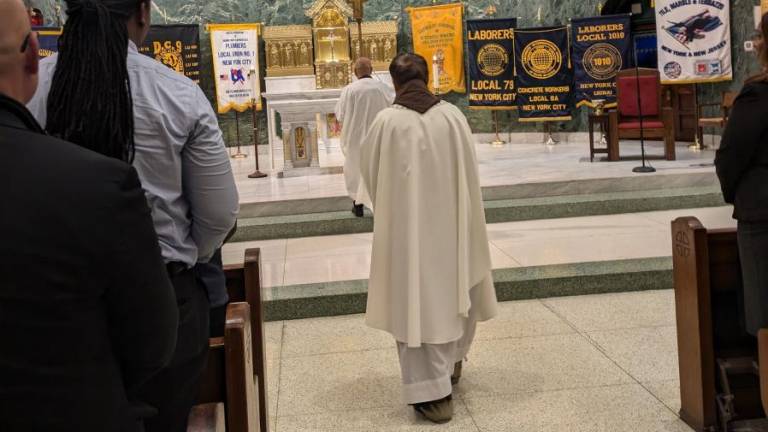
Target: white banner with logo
{"type": "Point", "coordinates": [694, 41]}
{"type": "Point", "coordinates": [235, 52]}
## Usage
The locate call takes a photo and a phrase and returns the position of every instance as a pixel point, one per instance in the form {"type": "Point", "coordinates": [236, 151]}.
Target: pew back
{"type": "Point", "coordinates": [229, 378]}
{"type": "Point", "coordinates": [708, 304]}
{"type": "Point", "coordinates": [244, 285]}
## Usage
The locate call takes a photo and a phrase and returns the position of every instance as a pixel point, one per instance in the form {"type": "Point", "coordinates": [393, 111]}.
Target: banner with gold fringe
{"type": "Point", "coordinates": [235, 52]}
{"type": "Point", "coordinates": [176, 46]}
{"type": "Point", "coordinates": [490, 46]}
{"type": "Point", "coordinates": [438, 36]}
{"type": "Point", "coordinates": [543, 74]}
{"type": "Point", "coordinates": [49, 41]}
{"type": "Point", "coordinates": [601, 48]}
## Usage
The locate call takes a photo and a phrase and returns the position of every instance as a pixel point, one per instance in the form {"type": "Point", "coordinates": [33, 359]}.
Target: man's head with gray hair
{"type": "Point", "coordinates": [18, 52]}
{"type": "Point", "coordinates": [363, 67]}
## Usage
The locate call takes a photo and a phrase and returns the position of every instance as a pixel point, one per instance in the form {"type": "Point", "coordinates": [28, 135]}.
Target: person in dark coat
{"type": "Point", "coordinates": [742, 166]}
{"type": "Point", "coordinates": [87, 311]}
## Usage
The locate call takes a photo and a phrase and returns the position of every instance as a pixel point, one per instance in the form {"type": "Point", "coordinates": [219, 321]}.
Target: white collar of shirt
{"type": "Point", "coordinates": [132, 47]}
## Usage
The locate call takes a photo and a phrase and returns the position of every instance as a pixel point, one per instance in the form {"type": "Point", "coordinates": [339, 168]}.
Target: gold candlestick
{"type": "Point", "coordinates": [358, 7]}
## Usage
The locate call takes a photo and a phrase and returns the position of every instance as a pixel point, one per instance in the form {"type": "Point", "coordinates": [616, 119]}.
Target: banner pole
{"type": "Point", "coordinates": [239, 154]}
{"type": "Point", "coordinates": [550, 139]}
{"type": "Point", "coordinates": [698, 143]}
{"type": "Point", "coordinates": [257, 173]}
{"type": "Point", "coordinates": [498, 142]}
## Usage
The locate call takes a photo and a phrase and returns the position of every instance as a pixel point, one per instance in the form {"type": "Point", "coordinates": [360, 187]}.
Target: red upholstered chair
{"type": "Point", "coordinates": [658, 121]}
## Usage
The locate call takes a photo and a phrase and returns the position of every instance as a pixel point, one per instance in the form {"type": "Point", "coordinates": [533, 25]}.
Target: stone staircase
{"type": "Point", "coordinates": [522, 202]}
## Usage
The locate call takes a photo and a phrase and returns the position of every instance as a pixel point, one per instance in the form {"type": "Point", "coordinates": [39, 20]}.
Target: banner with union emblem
{"type": "Point", "coordinates": [438, 37]}
{"type": "Point", "coordinates": [601, 48]}
{"type": "Point", "coordinates": [176, 46]}
{"type": "Point", "coordinates": [49, 41]}
{"type": "Point", "coordinates": [694, 41]}
{"type": "Point", "coordinates": [543, 74]}
{"type": "Point", "coordinates": [490, 47]}
{"type": "Point", "coordinates": [235, 52]}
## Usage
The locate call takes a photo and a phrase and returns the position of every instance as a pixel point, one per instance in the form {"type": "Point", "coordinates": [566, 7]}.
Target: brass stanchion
{"type": "Point", "coordinates": [257, 173]}
{"type": "Point", "coordinates": [498, 142]}
{"type": "Point", "coordinates": [550, 141]}
{"type": "Point", "coordinates": [239, 154]}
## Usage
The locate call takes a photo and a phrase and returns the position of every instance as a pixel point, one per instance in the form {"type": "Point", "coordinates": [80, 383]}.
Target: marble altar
{"type": "Point", "coordinates": [303, 111]}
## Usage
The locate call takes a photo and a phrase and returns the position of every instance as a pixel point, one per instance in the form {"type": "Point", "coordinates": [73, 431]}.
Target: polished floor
{"type": "Point", "coordinates": [513, 244]}
{"type": "Point", "coordinates": [508, 165]}
{"type": "Point", "coordinates": [604, 363]}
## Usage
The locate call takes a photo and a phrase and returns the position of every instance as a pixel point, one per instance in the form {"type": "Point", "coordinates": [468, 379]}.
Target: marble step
{"type": "Point", "coordinates": [630, 183]}
{"type": "Point", "coordinates": [497, 211]}
{"type": "Point", "coordinates": [349, 297]}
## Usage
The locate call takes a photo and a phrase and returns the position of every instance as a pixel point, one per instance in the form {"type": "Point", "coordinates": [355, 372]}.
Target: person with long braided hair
{"type": "Point", "coordinates": [102, 94]}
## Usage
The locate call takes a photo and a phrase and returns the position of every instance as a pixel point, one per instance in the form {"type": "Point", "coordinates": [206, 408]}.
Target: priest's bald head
{"type": "Point", "coordinates": [18, 52]}
{"type": "Point", "coordinates": [363, 67]}
{"type": "Point", "coordinates": [408, 67]}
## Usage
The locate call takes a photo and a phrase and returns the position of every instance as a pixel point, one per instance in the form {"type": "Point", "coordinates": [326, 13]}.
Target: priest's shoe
{"type": "Point", "coordinates": [358, 210]}
{"type": "Point", "coordinates": [439, 411]}
{"type": "Point", "coordinates": [456, 372]}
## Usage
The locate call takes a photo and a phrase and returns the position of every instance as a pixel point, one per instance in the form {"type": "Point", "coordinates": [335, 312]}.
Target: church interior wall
{"type": "Point", "coordinates": [552, 12]}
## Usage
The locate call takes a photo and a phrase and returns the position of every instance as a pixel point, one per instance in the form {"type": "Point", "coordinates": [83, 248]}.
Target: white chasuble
{"type": "Point", "coordinates": [431, 264]}
{"type": "Point", "coordinates": [359, 104]}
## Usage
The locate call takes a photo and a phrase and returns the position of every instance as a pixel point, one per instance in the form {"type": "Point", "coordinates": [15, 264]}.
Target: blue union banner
{"type": "Point", "coordinates": [49, 41]}
{"type": "Point", "coordinates": [601, 48]}
{"type": "Point", "coordinates": [543, 74]}
{"type": "Point", "coordinates": [490, 49]}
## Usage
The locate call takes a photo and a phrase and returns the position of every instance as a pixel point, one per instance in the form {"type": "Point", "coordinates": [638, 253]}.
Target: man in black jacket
{"type": "Point", "coordinates": [87, 312]}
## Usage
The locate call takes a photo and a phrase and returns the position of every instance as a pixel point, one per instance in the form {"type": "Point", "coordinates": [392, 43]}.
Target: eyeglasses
{"type": "Point", "coordinates": [25, 43]}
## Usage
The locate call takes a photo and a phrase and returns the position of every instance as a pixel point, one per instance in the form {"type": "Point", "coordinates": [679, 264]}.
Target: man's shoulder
{"type": "Point", "coordinates": [163, 75]}
{"type": "Point", "coordinates": [72, 162]}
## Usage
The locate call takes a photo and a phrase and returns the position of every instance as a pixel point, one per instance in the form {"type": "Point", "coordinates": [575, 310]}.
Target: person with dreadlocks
{"type": "Point", "coordinates": [102, 94]}
{"type": "Point", "coordinates": [87, 311]}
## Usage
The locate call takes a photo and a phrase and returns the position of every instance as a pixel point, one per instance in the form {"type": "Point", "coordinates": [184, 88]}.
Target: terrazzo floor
{"type": "Point", "coordinates": [513, 244]}
{"type": "Point", "coordinates": [591, 363]}
{"type": "Point", "coordinates": [508, 165]}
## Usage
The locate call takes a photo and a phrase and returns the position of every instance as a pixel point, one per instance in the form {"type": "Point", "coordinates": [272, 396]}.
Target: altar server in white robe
{"type": "Point", "coordinates": [431, 267]}
{"type": "Point", "coordinates": [359, 104]}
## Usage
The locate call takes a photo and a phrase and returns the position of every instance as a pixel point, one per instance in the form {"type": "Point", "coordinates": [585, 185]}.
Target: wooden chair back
{"type": "Point", "coordinates": [244, 285]}
{"type": "Point", "coordinates": [707, 279]}
{"type": "Point", "coordinates": [627, 83]}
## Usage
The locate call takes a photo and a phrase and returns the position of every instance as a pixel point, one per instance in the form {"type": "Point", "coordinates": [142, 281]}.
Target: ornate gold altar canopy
{"type": "Point", "coordinates": [328, 46]}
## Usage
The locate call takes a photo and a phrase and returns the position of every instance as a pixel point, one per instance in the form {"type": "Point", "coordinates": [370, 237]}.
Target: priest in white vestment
{"type": "Point", "coordinates": [431, 267]}
{"type": "Point", "coordinates": [359, 104]}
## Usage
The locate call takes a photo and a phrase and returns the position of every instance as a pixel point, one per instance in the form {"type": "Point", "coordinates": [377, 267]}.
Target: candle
{"type": "Point", "coordinates": [254, 81]}
{"type": "Point", "coordinates": [435, 73]}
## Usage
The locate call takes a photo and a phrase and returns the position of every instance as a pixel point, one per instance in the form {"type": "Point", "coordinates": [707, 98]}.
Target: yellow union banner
{"type": "Point", "coordinates": [235, 51]}
{"type": "Point", "coordinates": [438, 36]}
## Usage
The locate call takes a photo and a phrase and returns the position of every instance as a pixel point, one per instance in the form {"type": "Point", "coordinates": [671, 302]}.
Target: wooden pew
{"type": "Point", "coordinates": [710, 330]}
{"type": "Point", "coordinates": [244, 285]}
{"type": "Point", "coordinates": [229, 378]}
